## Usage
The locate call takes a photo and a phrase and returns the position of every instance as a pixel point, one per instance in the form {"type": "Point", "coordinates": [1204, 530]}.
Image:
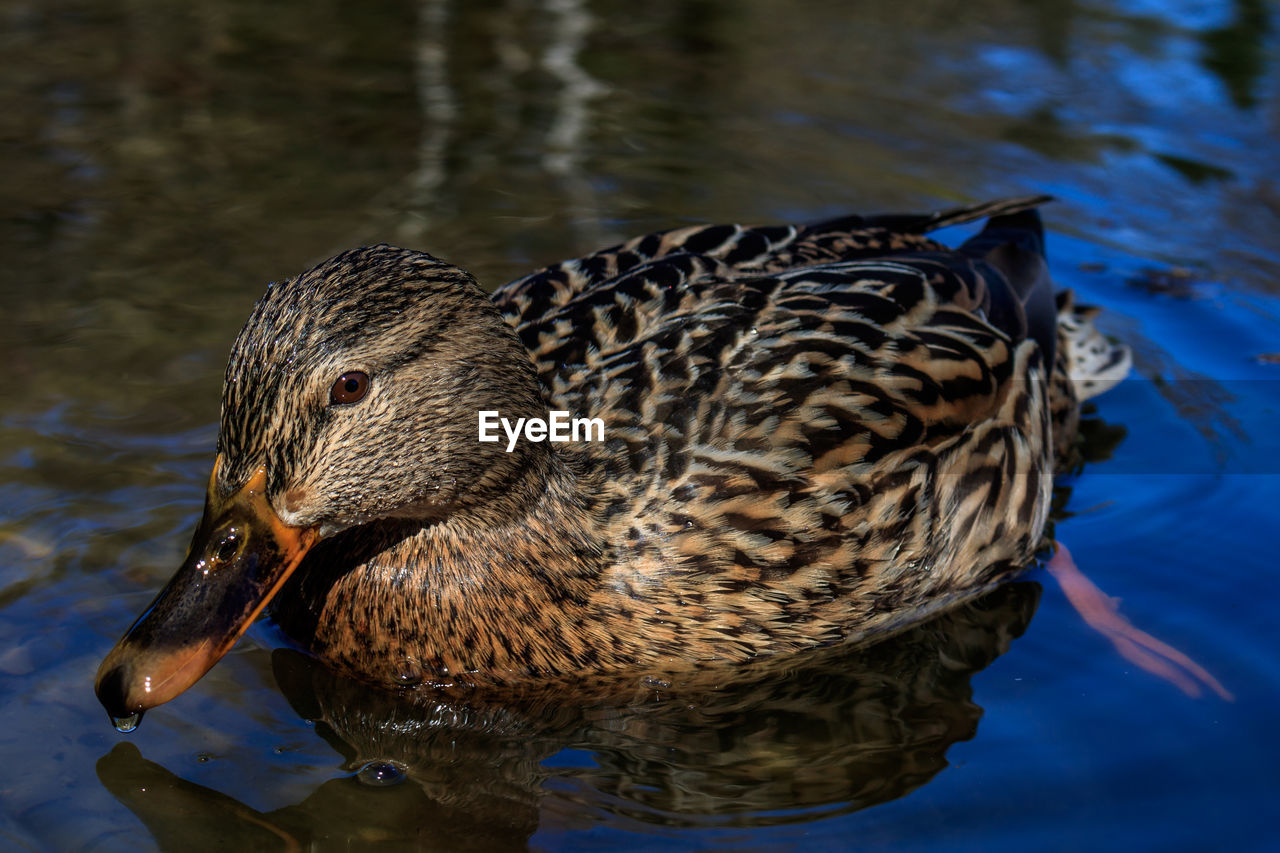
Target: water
{"type": "Point", "coordinates": [126, 724]}
{"type": "Point", "coordinates": [161, 166]}
{"type": "Point", "coordinates": [381, 774]}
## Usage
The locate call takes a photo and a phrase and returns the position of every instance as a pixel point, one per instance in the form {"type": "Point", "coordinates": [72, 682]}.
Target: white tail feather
{"type": "Point", "coordinates": [1094, 363]}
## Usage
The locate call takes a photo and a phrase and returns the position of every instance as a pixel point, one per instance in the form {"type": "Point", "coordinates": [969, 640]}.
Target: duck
{"type": "Point", "coordinates": [729, 442]}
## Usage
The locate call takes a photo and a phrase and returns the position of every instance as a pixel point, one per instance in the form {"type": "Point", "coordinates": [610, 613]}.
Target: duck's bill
{"type": "Point", "coordinates": [241, 556]}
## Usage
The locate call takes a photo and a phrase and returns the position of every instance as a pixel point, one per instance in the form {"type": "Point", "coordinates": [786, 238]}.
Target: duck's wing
{"type": "Point", "coordinates": [822, 366]}
{"type": "Point", "coordinates": [856, 282]}
{"type": "Point", "coordinates": [855, 420]}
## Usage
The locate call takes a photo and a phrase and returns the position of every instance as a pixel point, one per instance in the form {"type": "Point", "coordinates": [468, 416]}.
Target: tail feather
{"type": "Point", "coordinates": [1094, 363]}
{"type": "Point", "coordinates": [1023, 303]}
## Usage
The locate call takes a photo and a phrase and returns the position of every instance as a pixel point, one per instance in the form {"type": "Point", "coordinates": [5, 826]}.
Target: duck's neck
{"type": "Point", "coordinates": [494, 593]}
{"type": "Point", "coordinates": [543, 532]}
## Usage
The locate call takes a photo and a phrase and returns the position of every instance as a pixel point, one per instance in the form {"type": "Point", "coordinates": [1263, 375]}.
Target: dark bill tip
{"type": "Point", "coordinates": [241, 556]}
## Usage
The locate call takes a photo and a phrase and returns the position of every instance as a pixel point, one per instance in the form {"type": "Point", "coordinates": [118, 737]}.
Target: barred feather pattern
{"type": "Point", "coordinates": [814, 435]}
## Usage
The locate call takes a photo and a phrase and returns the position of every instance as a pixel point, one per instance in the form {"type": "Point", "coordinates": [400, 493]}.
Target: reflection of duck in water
{"type": "Point", "coordinates": [792, 738]}
{"type": "Point", "coordinates": [811, 435]}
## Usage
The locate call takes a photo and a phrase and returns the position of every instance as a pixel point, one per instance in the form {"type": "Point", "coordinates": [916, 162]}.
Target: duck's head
{"type": "Point", "coordinates": [351, 395]}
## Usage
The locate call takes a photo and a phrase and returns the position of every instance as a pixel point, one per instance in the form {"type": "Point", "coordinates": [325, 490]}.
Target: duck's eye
{"type": "Point", "coordinates": [350, 388]}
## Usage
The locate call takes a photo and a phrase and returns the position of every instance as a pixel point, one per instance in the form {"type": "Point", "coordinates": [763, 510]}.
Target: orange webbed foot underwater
{"type": "Point", "coordinates": [1101, 613]}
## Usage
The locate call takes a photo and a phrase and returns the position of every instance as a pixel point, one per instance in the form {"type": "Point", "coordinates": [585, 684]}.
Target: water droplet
{"type": "Point", "coordinates": [409, 673]}
{"type": "Point", "coordinates": [656, 683]}
{"type": "Point", "coordinates": [203, 757]}
{"type": "Point", "coordinates": [124, 725]}
{"type": "Point", "coordinates": [382, 774]}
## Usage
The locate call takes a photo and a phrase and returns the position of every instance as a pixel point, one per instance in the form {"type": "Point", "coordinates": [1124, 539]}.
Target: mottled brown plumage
{"type": "Point", "coordinates": [813, 435]}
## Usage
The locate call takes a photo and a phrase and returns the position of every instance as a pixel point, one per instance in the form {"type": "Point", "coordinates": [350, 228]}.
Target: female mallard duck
{"type": "Point", "coordinates": [811, 435]}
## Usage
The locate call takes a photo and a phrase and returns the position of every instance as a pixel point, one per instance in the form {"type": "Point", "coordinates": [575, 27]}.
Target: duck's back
{"type": "Point", "coordinates": [865, 325]}
{"type": "Point", "coordinates": [846, 419]}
